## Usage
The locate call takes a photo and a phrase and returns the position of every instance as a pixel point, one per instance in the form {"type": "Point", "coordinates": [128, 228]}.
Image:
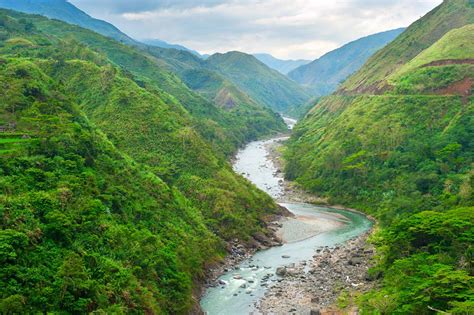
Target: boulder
{"type": "Point", "coordinates": [281, 271]}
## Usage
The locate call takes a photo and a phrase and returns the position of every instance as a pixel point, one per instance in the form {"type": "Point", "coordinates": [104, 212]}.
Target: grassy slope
{"type": "Point", "coordinates": [399, 154]}
{"type": "Point", "coordinates": [457, 44]}
{"type": "Point", "coordinates": [217, 89]}
{"type": "Point", "coordinates": [261, 83]}
{"type": "Point", "coordinates": [141, 120]}
{"type": "Point", "coordinates": [323, 75]}
{"type": "Point", "coordinates": [419, 36]}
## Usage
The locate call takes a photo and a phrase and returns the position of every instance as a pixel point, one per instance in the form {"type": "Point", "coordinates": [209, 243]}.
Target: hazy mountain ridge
{"type": "Point", "coordinates": [324, 74]}
{"type": "Point", "coordinates": [282, 66]}
{"type": "Point", "coordinates": [65, 11]}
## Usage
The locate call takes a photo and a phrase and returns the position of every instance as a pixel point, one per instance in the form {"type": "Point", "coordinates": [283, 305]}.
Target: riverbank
{"type": "Point", "coordinates": [323, 285]}
{"type": "Point", "coordinates": [247, 278]}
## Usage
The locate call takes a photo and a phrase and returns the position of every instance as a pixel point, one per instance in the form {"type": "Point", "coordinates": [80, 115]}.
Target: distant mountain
{"type": "Point", "coordinates": [265, 85]}
{"type": "Point", "coordinates": [323, 75]}
{"type": "Point", "coordinates": [162, 44]}
{"type": "Point", "coordinates": [282, 66]}
{"type": "Point", "coordinates": [65, 11]}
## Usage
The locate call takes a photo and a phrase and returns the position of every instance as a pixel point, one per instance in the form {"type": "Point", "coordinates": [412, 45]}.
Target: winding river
{"type": "Point", "coordinates": [241, 289]}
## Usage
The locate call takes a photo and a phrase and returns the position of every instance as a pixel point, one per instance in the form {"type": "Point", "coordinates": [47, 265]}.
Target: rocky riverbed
{"type": "Point", "coordinates": [313, 287]}
{"type": "Point", "coordinates": [287, 279]}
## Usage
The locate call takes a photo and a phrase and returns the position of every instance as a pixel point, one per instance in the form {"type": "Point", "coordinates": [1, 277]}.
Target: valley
{"type": "Point", "coordinates": [143, 177]}
{"type": "Point", "coordinates": [308, 231]}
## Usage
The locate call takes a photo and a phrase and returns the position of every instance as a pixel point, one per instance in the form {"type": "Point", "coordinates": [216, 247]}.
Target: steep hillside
{"type": "Point", "coordinates": [280, 65]}
{"type": "Point", "coordinates": [406, 157]}
{"type": "Point", "coordinates": [323, 75]}
{"type": "Point", "coordinates": [418, 37]}
{"type": "Point", "coordinates": [257, 120]}
{"type": "Point", "coordinates": [162, 44]}
{"type": "Point", "coordinates": [261, 83]}
{"type": "Point", "coordinates": [65, 11]}
{"type": "Point", "coordinates": [224, 129]}
{"type": "Point", "coordinates": [112, 199]}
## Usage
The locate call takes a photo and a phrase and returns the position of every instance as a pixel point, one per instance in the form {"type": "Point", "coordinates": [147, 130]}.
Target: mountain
{"type": "Point", "coordinates": [266, 86]}
{"type": "Point", "coordinates": [282, 66]}
{"type": "Point", "coordinates": [323, 75]}
{"type": "Point", "coordinates": [163, 44]}
{"type": "Point", "coordinates": [115, 190]}
{"type": "Point", "coordinates": [372, 78]}
{"type": "Point", "coordinates": [251, 115]}
{"type": "Point", "coordinates": [397, 141]}
{"type": "Point", "coordinates": [65, 11]}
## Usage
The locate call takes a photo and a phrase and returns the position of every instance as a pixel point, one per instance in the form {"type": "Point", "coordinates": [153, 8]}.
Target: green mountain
{"type": "Point", "coordinates": [162, 44]}
{"type": "Point", "coordinates": [423, 33]}
{"type": "Point", "coordinates": [253, 119]}
{"type": "Point", "coordinates": [261, 83]}
{"type": "Point", "coordinates": [396, 141]}
{"type": "Point", "coordinates": [115, 193]}
{"type": "Point", "coordinates": [65, 11]}
{"type": "Point", "coordinates": [280, 65]}
{"type": "Point", "coordinates": [323, 75]}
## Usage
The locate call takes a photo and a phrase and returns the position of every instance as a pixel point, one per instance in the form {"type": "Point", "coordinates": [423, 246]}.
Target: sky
{"type": "Point", "coordinates": [288, 29]}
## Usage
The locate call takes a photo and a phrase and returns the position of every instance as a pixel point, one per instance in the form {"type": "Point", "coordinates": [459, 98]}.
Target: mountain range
{"type": "Point", "coordinates": [282, 66]}
{"type": "Point", "coordinates": [324, 74]}
{"type": "Point", "coordinates": [66, 11]}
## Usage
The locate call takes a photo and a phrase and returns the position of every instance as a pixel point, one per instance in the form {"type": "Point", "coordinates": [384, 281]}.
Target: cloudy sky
{"type": "Point", "coordinates": [285, 28]}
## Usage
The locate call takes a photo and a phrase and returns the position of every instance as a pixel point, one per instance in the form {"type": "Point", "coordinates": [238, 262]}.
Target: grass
{"type": "Point", "coordinates": [456, 44]}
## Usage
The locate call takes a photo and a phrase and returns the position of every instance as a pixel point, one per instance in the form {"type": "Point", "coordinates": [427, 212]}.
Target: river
{"type": "Point", "coordinates": [312, 227]}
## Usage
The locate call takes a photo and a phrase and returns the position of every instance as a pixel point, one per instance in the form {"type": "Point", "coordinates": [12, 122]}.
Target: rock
{"type": "Point", "coordinates": [285, 256]}
{"type": "Point", "coordinates": [355, 261]}
{"type": "Point", "coordinates": [222, 282]}
{"type": "Point", "coordinates": [315, 312]}
{"type": "Point", "coordinates": [281, 271]}
{"type": "Point", "coordinates": [237, 277]}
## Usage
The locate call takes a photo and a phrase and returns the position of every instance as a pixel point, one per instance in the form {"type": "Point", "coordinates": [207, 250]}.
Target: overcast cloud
{"type": "Point", "coordinates": [285, 28]}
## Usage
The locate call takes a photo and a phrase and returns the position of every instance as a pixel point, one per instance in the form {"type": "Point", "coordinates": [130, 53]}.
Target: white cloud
{"type": "Point", "coordinates": [284, 28]}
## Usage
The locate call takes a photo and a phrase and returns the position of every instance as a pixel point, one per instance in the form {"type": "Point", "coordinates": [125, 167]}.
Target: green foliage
{"type": "Point", "coordinates": [399, 153]}
{"type": "Point", "coordinates": [264, 85]}
{"type": "Point", "coordinates": [113, 196]}
{"type": "Point", "coordinates": [373, 76]}
{"type": "Point", "coordinates": [428, 263]}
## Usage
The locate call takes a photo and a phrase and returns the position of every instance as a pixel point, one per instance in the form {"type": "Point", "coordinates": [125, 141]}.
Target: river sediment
{"type": "Point", "coordinates": [251, 280]}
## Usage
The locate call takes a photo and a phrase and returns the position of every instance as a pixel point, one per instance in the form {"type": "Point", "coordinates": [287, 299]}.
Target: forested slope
{"type": "Point", "coordinates": [113, 197]}
{"type": "Point", "coordinates": [397, 142]}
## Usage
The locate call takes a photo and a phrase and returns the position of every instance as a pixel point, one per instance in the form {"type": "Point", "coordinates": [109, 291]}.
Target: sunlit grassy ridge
{"type": "Point", "coordinates": [418, 37]}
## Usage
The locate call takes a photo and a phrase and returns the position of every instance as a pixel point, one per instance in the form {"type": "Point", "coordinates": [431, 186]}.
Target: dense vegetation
{"type": "Point", "coordinates": [324, 74]}
{"type": "Point", "coordinates": [113, 195]}
{"type": "Point", "coordinates": [397, 142]}
{"type": "Point", "coordinates": [264, 85]}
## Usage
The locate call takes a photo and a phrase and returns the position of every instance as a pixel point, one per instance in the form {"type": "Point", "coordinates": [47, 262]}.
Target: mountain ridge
{"type": "Point", "coordinates": [324, 74]}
